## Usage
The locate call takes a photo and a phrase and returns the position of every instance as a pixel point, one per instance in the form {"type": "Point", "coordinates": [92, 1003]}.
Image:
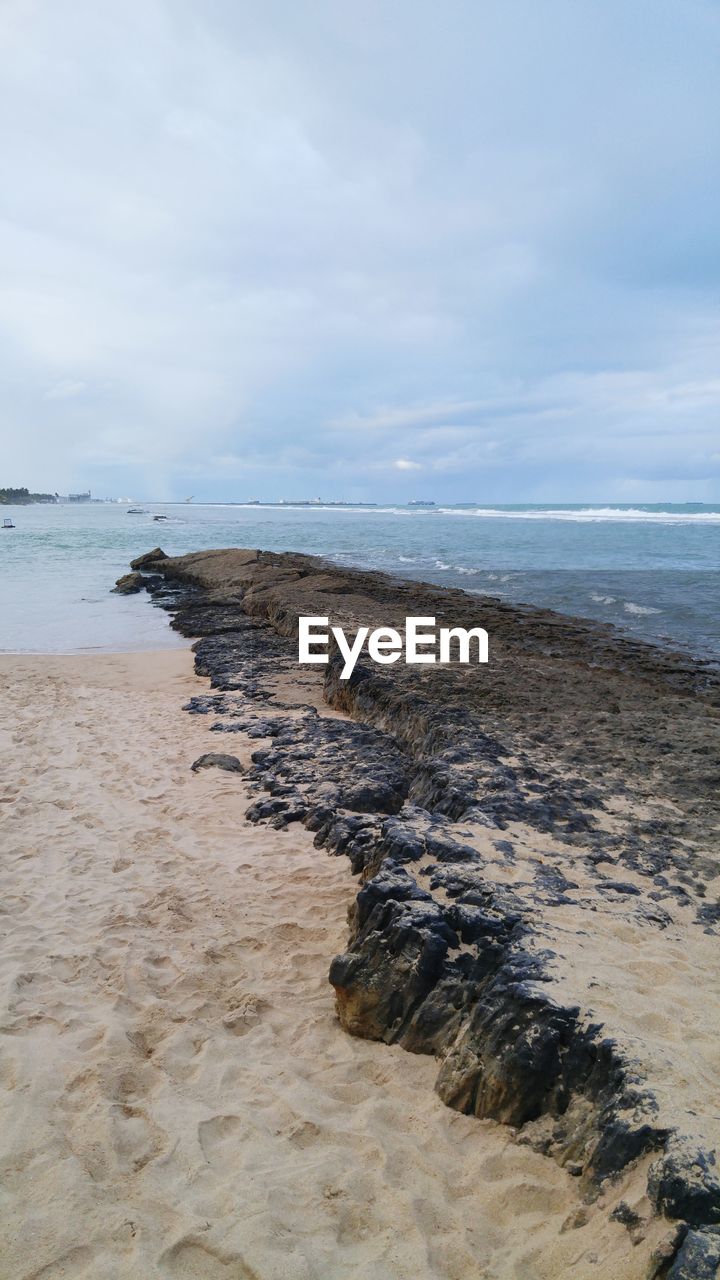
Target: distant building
{"type": "Point", "coordinates": [79, 497]}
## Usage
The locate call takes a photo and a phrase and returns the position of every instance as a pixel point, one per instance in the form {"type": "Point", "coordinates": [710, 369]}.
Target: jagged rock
{"type": "Point", "coordinates": [684, 1184]}
{"type": "Point", "coordinates": [148, 559]}
{"type": "Point", "coordinates": [698, 1257]}
{"type": "Point", "coordinates": [217, 760]}
{"type": "Point", "coordinates": [401, 946]}
{"type": "Point", "coordinates": [129, 584]}
{"type": "Point", "coordinates": [448, 949]}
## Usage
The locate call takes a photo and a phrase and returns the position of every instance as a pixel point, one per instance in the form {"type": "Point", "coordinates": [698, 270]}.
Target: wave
{"type": "Point", "coordinates": [639, 609]}
{"type": "Point", "coordinates": [580, 514]}
{"type": "Point", "coordinates": [583, 514]}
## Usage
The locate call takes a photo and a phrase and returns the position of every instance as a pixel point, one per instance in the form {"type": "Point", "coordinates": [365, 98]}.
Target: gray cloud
{"type": "Point", "coordinates": [361, 250]}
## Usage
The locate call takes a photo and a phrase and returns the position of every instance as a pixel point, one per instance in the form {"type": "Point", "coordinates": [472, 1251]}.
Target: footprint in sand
{"type": "Point", "coordinates": [304, 1135]}
{"type": "Point", "coordinates": [192, 1259]}
{"type": "Point", "coordinates": [92, 1040]}
{"type": "Point", "coordinates": [75, 1094]}
{"type": "Point", "coordinates": [107, 1139]}
{"type": "Point", "coordinates": [246, 1012]}
{"type": "Point", "coordinates": [76, 1264]}
{"type": "Point", "coordinates": [135, 1139]}
{"type": "Point", "coordinates": [157, 971]}
{"type": "Point", "coordinates": [66, 968]}
{"type": "Point", "coordinates": [219, 1139]}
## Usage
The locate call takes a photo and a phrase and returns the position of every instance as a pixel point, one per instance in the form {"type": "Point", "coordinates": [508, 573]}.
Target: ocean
{"type": "Point", "coordinates": [651, 570]}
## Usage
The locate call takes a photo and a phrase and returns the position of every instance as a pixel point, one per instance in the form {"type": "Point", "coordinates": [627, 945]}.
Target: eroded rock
{"type": "Point", "coordinates": [129, 584]}
{"type": "Point", "coordinates": [217, 760]}
{"type": "Point", "coordinates": [448, 951]}
{"type": "Point", "coordinates": [148, 559]}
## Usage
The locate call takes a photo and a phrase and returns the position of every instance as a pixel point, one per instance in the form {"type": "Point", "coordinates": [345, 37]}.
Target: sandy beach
{"type": "Point", "coordinates": [359, 641]}
{"type": "Point", "coordinates": [178, 1098]}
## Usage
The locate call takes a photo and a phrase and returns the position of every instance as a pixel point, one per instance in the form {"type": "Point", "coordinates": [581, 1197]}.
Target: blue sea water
{"type": "Point", "coordinates": [651, 570]}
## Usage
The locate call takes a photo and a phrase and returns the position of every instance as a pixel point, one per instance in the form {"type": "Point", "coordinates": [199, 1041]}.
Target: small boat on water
{"type": "Point", "coordinates": [161, 517]}
{"type": "Point", "coordinates": [8, 524]}
{"type": "Point", "coordinates": [136, 511]}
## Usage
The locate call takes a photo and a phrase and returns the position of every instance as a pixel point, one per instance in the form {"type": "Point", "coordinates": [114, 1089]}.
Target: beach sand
{"type": "Point", "coordinates": [177, 1096]}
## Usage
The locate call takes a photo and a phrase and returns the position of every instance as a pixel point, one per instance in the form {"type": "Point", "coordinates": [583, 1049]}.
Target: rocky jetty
{"type": "Point", "coordinates": [537, 846]}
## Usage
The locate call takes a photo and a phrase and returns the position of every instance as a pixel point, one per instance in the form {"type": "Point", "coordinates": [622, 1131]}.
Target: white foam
{"type": "Point", "coordinates": [582, 515]}
{"type": "Point", "coordinates": [630, 607]}
{"type": "Point", "coordinates": [591, 515]}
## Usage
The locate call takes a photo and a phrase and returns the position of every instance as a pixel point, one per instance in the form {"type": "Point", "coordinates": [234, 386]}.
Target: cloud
{"type": "Point", "coordinates": [65, 390]}
{"type": "Point", "coordinates": [309, 245]}
{"type": "Point", "coordinates": [406, 416]}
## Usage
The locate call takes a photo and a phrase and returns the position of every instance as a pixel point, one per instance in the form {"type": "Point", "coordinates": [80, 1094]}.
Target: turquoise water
{"type": "Point", "coordinates": [650, 569]}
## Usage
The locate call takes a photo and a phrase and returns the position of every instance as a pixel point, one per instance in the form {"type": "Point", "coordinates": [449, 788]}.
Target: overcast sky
{"type": "Point", "coordinates": [450, 249]}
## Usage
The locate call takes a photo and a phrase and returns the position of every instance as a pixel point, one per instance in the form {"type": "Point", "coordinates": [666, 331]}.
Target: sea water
{"type": "Point", "coordinates": [651, 570]}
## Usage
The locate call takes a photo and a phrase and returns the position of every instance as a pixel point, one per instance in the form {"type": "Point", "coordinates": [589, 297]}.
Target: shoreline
{"type": "Point", "coordinates": [178, 1098]}
{"type": "Point", "coordinates": [516, 871]}
{"type": "Point", "coordinates": [534, 920]}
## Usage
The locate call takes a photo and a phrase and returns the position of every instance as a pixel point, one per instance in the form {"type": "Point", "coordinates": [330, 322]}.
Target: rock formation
{"type": "Point", "coordinates": [537, 845]}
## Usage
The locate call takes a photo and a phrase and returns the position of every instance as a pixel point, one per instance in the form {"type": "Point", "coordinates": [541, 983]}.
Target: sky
{"type": "Point", "coordinates": [389, 250]}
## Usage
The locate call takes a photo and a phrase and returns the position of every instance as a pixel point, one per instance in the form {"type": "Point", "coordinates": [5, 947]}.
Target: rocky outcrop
{"type": "Point", "coordinates": [129, 584]}
{"type": "Point", "coordinates": [526, 834]}
{"type": "Point", "coordinates": [148, 559]}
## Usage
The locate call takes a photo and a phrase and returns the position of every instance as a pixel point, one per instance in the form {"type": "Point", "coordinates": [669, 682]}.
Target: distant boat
{"type": "Point", "coordinates": [136, 511]}
{"type": "Point", "coordinates": [418, 502]}
{"type": "Point", "coordinates": [8, 524]}
{"type": "Point", "coordinates": [161, 517]}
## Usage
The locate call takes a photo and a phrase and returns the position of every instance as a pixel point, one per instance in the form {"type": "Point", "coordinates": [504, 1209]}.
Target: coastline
{"type": "Point", "coordinates": [183, 1099]}
{"type": "Point", "coordinates": [538, 859]}
{"type": "Point", "coordinates": [178, 1097]}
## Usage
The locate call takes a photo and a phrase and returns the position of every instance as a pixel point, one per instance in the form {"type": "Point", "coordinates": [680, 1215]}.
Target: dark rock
{"type": "Point", "coordinates": [216, 760]}
{"type": "Point", "coordinates": [625, 1214]}
{"type": "Point", "coordinates": [619, 886]}
{"type": "Point", "coordinates": [684, 1184]}
{"type": "Point", "coordinates": [698, 1257]}
{"type": "Point", "coordinates": [129, 584]}
{"type": "Point", "coordinates": [396, 960]}
{"type": "Point", "coordinates": [444, 957]}
{"type": "Point", "coordinates": [148, 559]}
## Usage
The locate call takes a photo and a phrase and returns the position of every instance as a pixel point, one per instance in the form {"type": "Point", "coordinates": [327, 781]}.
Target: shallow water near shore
{"type": "Point", "coordinates": [651, 570]}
